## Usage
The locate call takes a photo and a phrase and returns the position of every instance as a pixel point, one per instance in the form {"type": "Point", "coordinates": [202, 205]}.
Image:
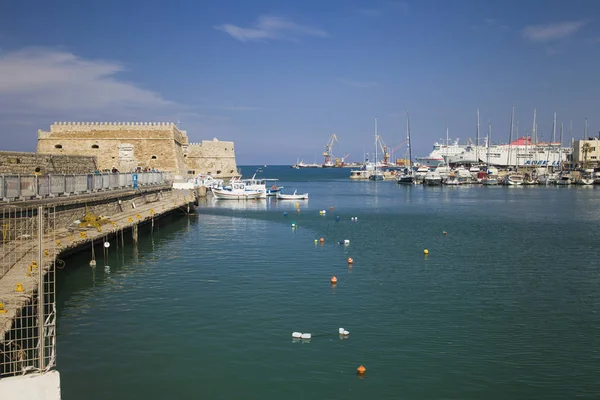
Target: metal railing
{"type": "Point", "coordinates": [28, 310]}
{"type": "Point", "coordinates": [27, 187]}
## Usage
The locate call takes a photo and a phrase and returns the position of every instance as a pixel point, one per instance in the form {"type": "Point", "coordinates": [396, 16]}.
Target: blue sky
{"type": "Point", "coordinates": [279, 77]}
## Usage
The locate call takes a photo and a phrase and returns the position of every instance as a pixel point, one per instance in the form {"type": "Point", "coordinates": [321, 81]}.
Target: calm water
{"type": "Point", "coordinates": [505, 306]}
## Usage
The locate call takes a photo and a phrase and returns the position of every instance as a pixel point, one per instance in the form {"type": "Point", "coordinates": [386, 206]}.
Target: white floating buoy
{"type": "Point", "coordinates": [341, 330]}
{"type": "Point", "coordinates": [296, 335]}
{"type": "Point", "coordinates": [106, 268]}
{"type": "Point", "coordinates": [106, 244]}
{"type": "Point", "coordinates": [346, 333]}
{"type": "Point", "coordinates": [346, 242]}
{"type": "Point", "coordinates": [306, 336]}
{"type": "Point", "coordinates": [92, 263]}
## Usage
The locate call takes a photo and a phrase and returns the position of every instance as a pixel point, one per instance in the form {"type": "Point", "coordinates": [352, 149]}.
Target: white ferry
{"type": "Point", "coordinates": [440, 152]}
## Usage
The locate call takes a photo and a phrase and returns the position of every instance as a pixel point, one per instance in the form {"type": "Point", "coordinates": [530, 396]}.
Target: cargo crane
{"type": "Point", "coordinates": [384, 150]}
{"type": "Point", "coordinates": [339, 162]}
{"type": "Point", "coordinates": [328, 153]}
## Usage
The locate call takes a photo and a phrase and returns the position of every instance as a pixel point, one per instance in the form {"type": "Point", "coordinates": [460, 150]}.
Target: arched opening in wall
{"type": "Point", "coordinates": [218, 172]}
{"type": "Point", "coordinates": [95, 146]}
{"type": "Point", "coordinates": [38, 170]}
{"type": "Point", "coordinates": [58, 146]}
{"type": "Point", "coordinates": [231, 172]}
{"type": "Point", "coordinates": [153, 157]}
{"type": "Point", "coordinates": [185, 156]}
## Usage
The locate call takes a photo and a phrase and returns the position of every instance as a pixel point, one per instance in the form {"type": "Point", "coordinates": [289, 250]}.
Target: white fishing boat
{"type": "Point", "coordinates": [237, 191]}
{"type": "Point", "coordinates": [294, 196]}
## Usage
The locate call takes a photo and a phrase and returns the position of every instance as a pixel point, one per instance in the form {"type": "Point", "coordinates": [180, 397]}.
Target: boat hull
{"type": "Point", "coordinates": [281, 196]}
{"type": "Point", "coordinates": [223, 194]}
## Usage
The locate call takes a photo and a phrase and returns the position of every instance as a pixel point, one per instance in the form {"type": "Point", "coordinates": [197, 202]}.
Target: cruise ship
{"type": "Point", "coordinates": [521, 152]}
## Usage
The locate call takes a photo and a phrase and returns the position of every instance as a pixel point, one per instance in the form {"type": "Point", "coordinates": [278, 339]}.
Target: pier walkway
{"type": "Point", "coordinates": [67, 224]}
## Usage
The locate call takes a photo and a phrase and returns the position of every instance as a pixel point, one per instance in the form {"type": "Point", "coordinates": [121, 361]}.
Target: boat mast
{"type": "Point", "coordinates": [477, 140]}
{"type": "Point", "coordinates": [447, 143]}
{"type": "Point", "coordinates": [534, 134]}
{"type": "Point", "coordinates": [550, 144]}
{"type": "Point", "coordinates": [375, 145]}
{"type": "Point", "coordinates": [517, 149]}
{"type": "Point", "coordinates": [408, 141]}
{"type": "Point", "coordinates": [510, 135]}
{"type": "Point", "coordinates": [489, 138]}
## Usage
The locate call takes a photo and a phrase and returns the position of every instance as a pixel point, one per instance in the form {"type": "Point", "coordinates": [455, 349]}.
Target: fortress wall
{"type": "Point", "coordinates": [212, 157]}
{"type": "Point", "coordinates": [124, 146]}
{"type": "Point", "coordinates": [12, 162]}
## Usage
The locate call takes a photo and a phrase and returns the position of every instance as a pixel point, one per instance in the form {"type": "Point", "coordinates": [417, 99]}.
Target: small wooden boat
{"type": "Point", "coordinates": [294, 196]}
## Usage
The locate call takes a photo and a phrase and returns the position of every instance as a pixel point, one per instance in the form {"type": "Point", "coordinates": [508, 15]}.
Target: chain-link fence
{"type": "Point", "coordinates": [27, 290]}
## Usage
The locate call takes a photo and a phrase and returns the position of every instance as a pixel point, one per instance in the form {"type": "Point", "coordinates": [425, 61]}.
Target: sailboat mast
{"type": "Point", "coordinates": [447, 144]}
{"type": "Point", "coordinates": [408, 140]}
{"type": "Point", "coordinates": [477, 140]}
{"type": "Point", "coordinates": [534, 133]}
{"type": "Point", "coordinates": [517, 149]}
{"type": "Point", "coordinates": [488, 144]}
{"type": "Point", "coordinates": [375, 144]}
{"type": "Point", "coordinates": [510, 135]}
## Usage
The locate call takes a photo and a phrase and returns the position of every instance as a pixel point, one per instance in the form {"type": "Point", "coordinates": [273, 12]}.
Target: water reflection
{"type": "Point", "coordinates": [259, 204]}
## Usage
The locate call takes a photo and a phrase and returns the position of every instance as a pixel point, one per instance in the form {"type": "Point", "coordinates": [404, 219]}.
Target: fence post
{"type": "Point", "coordinates": [40, 293]}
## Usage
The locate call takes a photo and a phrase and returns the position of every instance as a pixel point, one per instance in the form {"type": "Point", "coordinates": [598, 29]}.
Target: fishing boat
{"type": "Point", "coordinates": [293, 196]}
{"type": "Point", "coordinates": [377, 175]}
{"type": "Point", "coordinates": [408, 177]}
{"type": "Point", "coordinates": [237, 191]}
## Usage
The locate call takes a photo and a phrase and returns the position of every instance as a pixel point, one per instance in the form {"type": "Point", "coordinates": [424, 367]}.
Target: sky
{"type": "Point", "coordinates": [280, 77]}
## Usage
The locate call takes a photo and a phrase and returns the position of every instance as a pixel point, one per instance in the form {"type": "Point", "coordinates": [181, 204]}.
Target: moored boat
{"type": "Point", "coordinates": [294, 196]}
{"type": "Point", "coordinates": [237, 191]}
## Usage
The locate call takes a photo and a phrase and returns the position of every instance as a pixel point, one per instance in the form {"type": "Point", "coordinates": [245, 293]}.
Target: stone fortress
{"type": "Point", "coordinates": [127, 146]}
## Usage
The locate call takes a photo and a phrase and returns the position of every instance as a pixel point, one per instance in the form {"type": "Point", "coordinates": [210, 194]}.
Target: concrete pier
{"type": "Point", "coordinates": [74, 223]}
{"type": "Point", "coordinates": [141, 207]}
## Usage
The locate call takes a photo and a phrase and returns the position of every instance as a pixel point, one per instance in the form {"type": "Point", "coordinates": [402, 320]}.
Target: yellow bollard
{"type": "Point", "coordinates": [2, 309]}
{"type": "Point", "coordinates": [19, 288]}
{"type": "Point", "coordinates": [58, 243]}
{"type": "Point", "coordinates": [152, 211]}
{"type": "Point", "coordinates": [138, 216]}
{"type": "Point", "coordinates": [114, 224]}
{"type": "Point", "coordinates": [99, 229]}
{"type": "Point", "coordinates": [82, 234]}
{"type": "Point", "coordinates": [129, 219]}
{"type": "Point", "coordinates": [46, 253]}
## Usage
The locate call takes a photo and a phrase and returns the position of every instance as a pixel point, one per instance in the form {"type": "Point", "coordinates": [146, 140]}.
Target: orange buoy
{"type": "Point", "coordinates": [361, 370]}
{"type": "Point", "coordinates": [333, 280]}
{"type": "Point", "coordinates": [350, 260]}
{"type": "Point", "coordinates": [322, 240]}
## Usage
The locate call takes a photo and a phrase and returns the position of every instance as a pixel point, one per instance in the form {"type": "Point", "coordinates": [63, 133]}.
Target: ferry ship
{"type": "Point", "coordinates": [521, 152]}
{"type": "Point", "coordinates": [440, 152]}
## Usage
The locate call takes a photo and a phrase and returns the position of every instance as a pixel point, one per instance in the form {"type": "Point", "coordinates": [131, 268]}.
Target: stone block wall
{"type": "Point", "coordinates": [213, 157]}
{"type": "Point", "coordinates": [22, 163]}
{"type": "Point", "coordinates": [121, 145]}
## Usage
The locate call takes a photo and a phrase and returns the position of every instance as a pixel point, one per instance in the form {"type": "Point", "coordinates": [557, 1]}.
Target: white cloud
{"type": "Point", "coordinates": [271, 28]}
{"type": "Point", "coordinates": [553, 31]}
{"type": "Point", "coordinates": [360, 84]}
{"type": "Point", "coordinates": [45, 81]}
{"type": "Point", "coordinates": [40, 85]}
